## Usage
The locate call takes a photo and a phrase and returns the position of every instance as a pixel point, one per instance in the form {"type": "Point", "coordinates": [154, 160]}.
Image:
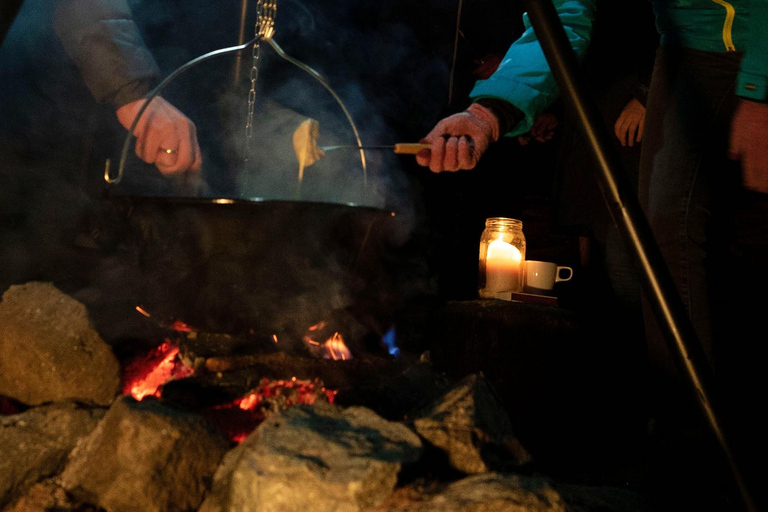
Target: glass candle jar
{"type": "Point", "coordinates": [502, 253]}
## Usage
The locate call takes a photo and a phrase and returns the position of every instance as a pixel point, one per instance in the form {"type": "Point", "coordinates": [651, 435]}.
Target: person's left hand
{"type": "Point", "coordinates": [749, 144]}
{"type": "Point", "coordinates": [629, 124]}
{"type": "Point", "coordinates": [542, 130]}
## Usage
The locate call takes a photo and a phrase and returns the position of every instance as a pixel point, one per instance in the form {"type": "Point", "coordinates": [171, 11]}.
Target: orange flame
{"type": "Point", "coordinates": [333, 348]}
{"type": "Point", "coordinates": [337, 349]}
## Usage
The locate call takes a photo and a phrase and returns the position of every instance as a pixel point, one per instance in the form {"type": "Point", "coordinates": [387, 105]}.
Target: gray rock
{"type": "Point", "coordinates": [472, 427]}
{"type": "Point", "coordinates": [145, 457]}
{"type": "Point", "coordinates": [489, 492]}
{"type": "Point", "coordinates": [35, 444]}
{"type": "Point", "coordinates": [582, 498]}
{"type": "Point", "coordinates": [50, 352]}
{"type": "Point", "coordinates": [48, 496]}
{"type": "Point", "coordinates": [319, 458]}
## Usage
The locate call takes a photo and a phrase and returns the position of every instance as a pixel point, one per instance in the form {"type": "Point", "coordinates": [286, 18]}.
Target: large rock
{"type": "Point", "coordinates": [320, 458]}
{"type": "Point", "coordinates": [490, 492]}
{"type": "Point", "coordinates": [50, 352]}
{"type": "Point", "coordinates": [35, 444]}
{"type": "Point", "coordinates": [145, 457]}
{"type": "Point", "coordinates": [469, 424]}
{"type": "Point", "coordinates": [48, 496]}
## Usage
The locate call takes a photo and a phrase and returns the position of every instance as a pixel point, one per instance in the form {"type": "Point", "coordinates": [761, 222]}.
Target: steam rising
{"type": "Point", "coordinates": [54, 138]}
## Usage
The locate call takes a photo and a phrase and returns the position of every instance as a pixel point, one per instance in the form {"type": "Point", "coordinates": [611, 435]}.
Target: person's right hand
{"type": "Point", "coordinates": [629, 125]}
{"type": "Point", "coordinates": [164, 136]}
{"type": "Point", "coordinates": [748, 144]}
{"type": "Point", "coordinates": [458, 141]}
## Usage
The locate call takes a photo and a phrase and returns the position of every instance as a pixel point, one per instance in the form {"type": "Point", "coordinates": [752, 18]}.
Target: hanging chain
{"type": "Point", "coordinates": [265, 29]}
{"type": "Point", "coordinates": [252, 92]}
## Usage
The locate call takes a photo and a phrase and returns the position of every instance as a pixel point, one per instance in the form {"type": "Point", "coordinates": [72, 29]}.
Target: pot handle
{"type": "Point", "coordinates": [114, 180]}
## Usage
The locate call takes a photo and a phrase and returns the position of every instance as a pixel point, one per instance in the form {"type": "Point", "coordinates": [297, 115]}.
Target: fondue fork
{"type": "Point", "coordinates": [403, 148]}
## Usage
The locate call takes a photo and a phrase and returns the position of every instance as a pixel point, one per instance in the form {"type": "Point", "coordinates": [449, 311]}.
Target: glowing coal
{"type": "Point", "coordinates": [239, 418]}
{"type": "Point", "coordinates": [145, 376]}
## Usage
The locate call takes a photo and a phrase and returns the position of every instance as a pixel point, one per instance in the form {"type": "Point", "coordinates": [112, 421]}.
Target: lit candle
{"type": "Point", "coordinates": [503, 267]}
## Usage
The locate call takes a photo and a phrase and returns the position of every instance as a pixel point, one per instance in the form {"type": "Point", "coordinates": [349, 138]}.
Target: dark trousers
{"type": "Point", "coordinates": [713, 235]}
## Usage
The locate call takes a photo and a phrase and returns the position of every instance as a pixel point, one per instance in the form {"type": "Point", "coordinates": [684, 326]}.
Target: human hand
{"type": "Point", "coordinates": [164, 136]}
{"type": "Point", "coordinates": [486, 66]}
{"type": "Point", "coordinates": [458, 141]}
{"type": "Point", "coordinates": [748, 144]}
{"type": "Point", "coordinates": [543, 128]}
{"type": "Point", "coordinates": [629, 124]}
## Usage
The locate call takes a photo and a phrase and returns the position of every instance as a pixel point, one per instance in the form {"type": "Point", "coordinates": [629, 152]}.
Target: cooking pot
{"type": "Point", "coordinates": [256, 266]}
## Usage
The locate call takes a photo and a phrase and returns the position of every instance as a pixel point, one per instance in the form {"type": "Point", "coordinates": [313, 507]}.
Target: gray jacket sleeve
{"type": "Point", "coordinates": [102, 39]}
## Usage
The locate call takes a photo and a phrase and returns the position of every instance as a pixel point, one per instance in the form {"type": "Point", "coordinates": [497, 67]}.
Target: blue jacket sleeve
{"type": "Point", "coordinates": [523, 77]}
{"type": "Point", "coordinates": [753, 79]}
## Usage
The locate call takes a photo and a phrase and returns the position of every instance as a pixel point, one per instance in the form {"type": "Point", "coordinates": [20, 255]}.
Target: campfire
{"type": "Point", "coordinates": [146, 375]}
{"type": "Point", "coordinates": [186, 425]}
{"type": "Point", "coordinates": [261, 407]}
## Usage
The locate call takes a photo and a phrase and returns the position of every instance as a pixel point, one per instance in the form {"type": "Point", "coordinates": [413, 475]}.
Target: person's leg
{"type": "Point", "coordinates": [741, 343]}
{"type": "Point", "coordinates": [684, 157]}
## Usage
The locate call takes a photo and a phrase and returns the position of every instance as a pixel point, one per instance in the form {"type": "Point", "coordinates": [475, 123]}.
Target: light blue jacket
{"type": "Point", "coordinates": [525, 80]}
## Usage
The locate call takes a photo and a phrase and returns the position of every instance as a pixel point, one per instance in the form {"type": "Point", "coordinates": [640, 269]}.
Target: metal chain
{"type": "Point", "coordinates": [252, 92]}
{"type": "Point", "coordinates": [265, 29]}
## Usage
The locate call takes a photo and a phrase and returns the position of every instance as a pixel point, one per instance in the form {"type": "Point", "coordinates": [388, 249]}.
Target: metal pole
{"type": "Point", "coordinates": [632, 223]}
{"type": "Point", "coordinates": [8, 11]}
{"type": "Point", "coordinates": [240, 40]}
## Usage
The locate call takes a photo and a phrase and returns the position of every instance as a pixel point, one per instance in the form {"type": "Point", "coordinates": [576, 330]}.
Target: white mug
{"type": "Point", "coordinates": [541, 276]}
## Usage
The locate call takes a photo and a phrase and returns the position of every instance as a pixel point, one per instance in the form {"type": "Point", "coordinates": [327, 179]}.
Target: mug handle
{"type": "Point", "coordinates": [559, 279]}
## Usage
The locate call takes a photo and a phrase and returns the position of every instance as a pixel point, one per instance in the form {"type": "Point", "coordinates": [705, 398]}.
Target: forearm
{"type": "Point", "coordinates": [102, 39]}
{"type": "Point", "coordinates": [524, 79]}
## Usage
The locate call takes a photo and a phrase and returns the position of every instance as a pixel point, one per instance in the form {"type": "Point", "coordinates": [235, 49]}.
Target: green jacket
{"type": "Point", "coordinates": [524, 78]}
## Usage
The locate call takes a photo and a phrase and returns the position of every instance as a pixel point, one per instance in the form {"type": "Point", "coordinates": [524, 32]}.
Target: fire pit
{"type": "Point", "coordinates": [324, 426]}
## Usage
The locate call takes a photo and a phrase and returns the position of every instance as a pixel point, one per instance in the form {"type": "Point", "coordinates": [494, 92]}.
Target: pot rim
{"type": "Point", "coordinates": [243, 202]}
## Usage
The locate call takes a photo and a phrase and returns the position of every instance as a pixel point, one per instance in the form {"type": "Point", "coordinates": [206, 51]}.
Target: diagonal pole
{"type": "Point", "coordinates": [631, 221]}
{"type": "Point", "coordinates": [8, 11]}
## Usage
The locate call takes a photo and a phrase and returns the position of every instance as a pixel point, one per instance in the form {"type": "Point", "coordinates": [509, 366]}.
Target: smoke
{"type": "Point", "coordinates": [371, 53]}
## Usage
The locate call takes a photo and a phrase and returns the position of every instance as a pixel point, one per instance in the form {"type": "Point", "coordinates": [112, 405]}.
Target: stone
{"type": "Point", "coordinates": [36, 444]}
{"type": "Point", "coordinates": [489, 492]}
{"type": "Point", "coordinates": [321, 458]}
{"type": "Point", "coordinates": [145, 456]}
{"type": "Point", "coordinates": [583, 498]}
{"type": "Point", "coordinates": [49, 351]}
{"type": "Point", "coordinates": [470, 425]}
{"type": "Point", "coordinates": [48, 496]}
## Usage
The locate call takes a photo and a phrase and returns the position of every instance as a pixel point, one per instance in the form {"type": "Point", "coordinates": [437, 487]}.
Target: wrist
{"type": "Point", "coordinates": [486, 115]}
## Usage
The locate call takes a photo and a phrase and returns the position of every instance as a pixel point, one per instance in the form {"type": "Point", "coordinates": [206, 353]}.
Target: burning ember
{"type": "Point", "coordinates": [176, 325]}
{"type": "Point", "coordinates": [276, 395]}
{"type": "Point", "coordinates": [332, 348]}
{"type": "Point", "coordinates": [238, 419]}
{"type": "Point", "coordinates": [145, 376]}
